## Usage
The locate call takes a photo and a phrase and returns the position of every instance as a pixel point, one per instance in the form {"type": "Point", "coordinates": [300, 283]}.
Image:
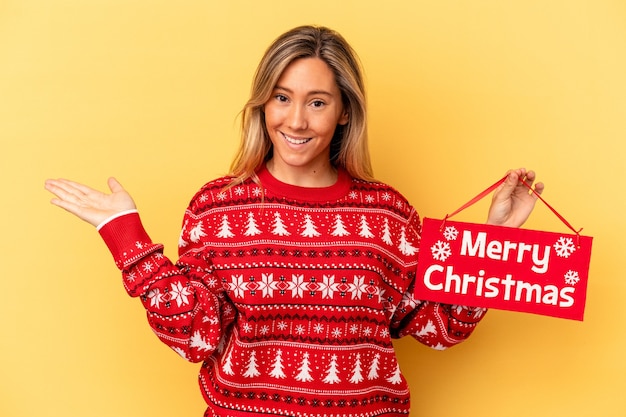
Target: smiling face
{"type": "Point", "coordinates": [301, 117]}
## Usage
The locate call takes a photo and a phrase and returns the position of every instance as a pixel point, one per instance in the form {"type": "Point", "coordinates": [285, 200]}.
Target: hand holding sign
{"type": "Point", "coordinates": [512, 201]}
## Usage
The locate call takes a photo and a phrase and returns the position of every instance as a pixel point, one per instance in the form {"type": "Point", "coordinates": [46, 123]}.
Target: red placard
{"type": "Point", "coordinates": [505, 268]}
{"type": "Point", "coordinates": [501, 267]}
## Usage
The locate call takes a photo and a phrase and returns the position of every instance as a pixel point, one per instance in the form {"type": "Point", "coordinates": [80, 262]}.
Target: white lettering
{"type": "Point", "coordinates": [452, 277]}
{"type": "Point", "coordinates": [508, 246]}
{"type": "Point", "coordinates": [565, 294]}
{"type": "Point", "coordinates": [503, 251]}
{"type": "Point", "coordinates": [494, 250]}
{"type": "Point", "coordinates": [521, 249]}
{"type": "Point", "coordinates": [478, 249]}
{"type": "Point", "coordinates": [530, 288]}
{"type": "Point", "coordinates": [550, 295]}
{"type": "Point", "coordinates": [540, 266]}
{"type": "Point", "coordinates": [427, 281]}
{"type": "Point", "coordinates": [508, 288]}
{"type": "Point", "coordinates": [508, 282]}
{"type": "Point", "coordinates": [492, 290]}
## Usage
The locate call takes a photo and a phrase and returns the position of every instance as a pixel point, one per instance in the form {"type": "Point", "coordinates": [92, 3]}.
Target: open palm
{"type": "Point", "coordinates": [90, 205]}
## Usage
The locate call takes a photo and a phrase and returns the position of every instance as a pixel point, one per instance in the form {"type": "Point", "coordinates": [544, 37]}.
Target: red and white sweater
{"type": "Point", "coordinates": [290, 296]}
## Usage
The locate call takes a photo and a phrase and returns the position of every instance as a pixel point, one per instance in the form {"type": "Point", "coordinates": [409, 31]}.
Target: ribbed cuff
{"type": "Point", "coordinates": [127, 239]}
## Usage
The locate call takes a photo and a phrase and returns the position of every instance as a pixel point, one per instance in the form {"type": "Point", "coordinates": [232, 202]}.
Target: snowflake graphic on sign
{"type": "Point", "coordinates": [450, 233]}
{"type": "Point", "coordinates": [571, 277]}
{"type": "Point", "coordinates": [441, 250]}
{"type": "Point", "coordinates": [564, 247]}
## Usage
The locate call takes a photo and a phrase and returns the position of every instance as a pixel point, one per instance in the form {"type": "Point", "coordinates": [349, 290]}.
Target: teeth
{"type": "Point", "coordinates": [296, 141]}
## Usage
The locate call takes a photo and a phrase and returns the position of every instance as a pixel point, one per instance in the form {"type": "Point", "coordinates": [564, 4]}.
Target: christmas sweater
{"type": "Point", "coordinates": [290, 296]}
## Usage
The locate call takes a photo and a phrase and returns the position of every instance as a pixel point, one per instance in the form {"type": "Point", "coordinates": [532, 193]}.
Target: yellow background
{"type": "Point", "coordinates": [149, 91]}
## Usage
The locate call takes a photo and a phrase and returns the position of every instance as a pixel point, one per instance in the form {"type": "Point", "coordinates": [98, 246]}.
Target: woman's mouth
{"type": "Point", "coordinates": [296, 141]}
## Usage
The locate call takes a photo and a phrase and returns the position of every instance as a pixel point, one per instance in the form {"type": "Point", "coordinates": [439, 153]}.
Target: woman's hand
{"type": "Point", "coordinates": [88, 204]}
{"type": "Point", "coordinates": [512, 201]}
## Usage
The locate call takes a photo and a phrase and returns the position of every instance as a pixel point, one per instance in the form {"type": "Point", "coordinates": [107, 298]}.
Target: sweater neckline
{"type": "Point", "coordinates": [295, 192]}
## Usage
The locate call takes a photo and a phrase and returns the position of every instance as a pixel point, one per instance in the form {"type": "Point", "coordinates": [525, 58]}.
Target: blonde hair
{"type": "Point", "coordinates": [349, 148]}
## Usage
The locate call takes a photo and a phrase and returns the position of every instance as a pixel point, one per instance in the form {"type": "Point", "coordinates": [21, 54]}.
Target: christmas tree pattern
{"type": "Point", "coordinates": [225, 228]}
{"type": "Point", "coordinates": [279, 228]}
{"type": "Point", "coordinates": [305, 369]}
{"type": "Point", "coordinates": [364, 228]}
{"type": "Point", "coordinates": [182, 242]}
{"type": "Point", "coordinates": [428, 328]}
{"type": "Point", "coordinates": [339, 228]}
{"type": "Point", "coordinates": [196, 233]}
{"type": "Point", "coordinates": [395, 377]}
{"type": "Point", "coordinates": [309, 228]}
{"type": "Point", "coordinates": [332, 373]}
{"type": "Point", "coordinates": [386, 232]}
{"type": "Point", "coordinates": [356, 372]}
{"type": "Point", "coordinates": [277, 367]}
{"type": "Point", "coordinates": [252, 369]}
{"type": "Point", "coordinates": [405, 246]}
{"type": "Point", "coordinates": [373, 369]}
{"type": "Point", "coordinates": [227, 367]}
{"type": "Point", "coordinates": [196, 341]}
{"type": "Point", "coordinates": [251, 226]}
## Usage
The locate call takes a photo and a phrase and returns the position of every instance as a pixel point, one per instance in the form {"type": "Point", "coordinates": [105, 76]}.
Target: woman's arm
{"type": "Point", "coordinates": [184, 306]}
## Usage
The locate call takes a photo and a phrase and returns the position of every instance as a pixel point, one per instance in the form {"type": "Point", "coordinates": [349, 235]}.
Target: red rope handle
{"type": "Point", "coordinates": [484, 193]}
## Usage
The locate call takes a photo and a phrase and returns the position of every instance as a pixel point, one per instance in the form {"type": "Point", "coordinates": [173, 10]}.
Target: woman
{"type": "Point", "coordinates": [295, 271]}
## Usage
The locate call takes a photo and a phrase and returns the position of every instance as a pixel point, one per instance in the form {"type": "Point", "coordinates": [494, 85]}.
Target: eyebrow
{"type": "Point", "coordinates": [310, 93]}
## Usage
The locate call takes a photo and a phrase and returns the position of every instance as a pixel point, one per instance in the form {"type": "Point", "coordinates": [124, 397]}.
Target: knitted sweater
{"type": "Point", "coordinates": [290, 296]}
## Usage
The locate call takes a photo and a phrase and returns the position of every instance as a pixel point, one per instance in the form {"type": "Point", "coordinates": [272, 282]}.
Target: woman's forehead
{"type": "Point", "coordinates": [310, 75]}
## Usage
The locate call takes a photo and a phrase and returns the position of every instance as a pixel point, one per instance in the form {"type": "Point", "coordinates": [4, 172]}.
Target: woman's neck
{"type": "Point", "coordinates": [317, 177]}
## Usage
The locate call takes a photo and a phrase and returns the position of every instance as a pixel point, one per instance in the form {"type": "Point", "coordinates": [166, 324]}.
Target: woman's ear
{"type": "Point", "coordinates": [345, 117]}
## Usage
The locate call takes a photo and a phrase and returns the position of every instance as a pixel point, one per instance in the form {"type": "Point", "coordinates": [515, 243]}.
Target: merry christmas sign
{"type": "Point", "coordinates": [504, 268]}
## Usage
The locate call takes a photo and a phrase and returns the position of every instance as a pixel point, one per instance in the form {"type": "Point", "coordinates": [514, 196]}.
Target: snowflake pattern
{"type": "Point", "coordinates": [450, 233]}
{"type": "Point", "coordinates": [441, 250]}
{"type": "Point", "coordinates": [155, 297]}
{"type": "Point", "coordinates": [571, 277]}
{"type": "Point", "coordinates": [564, 247]}
{"type": "Point", "coordinates": [147, 267]}
{"type": "Point", "coordinates": [180, 294]}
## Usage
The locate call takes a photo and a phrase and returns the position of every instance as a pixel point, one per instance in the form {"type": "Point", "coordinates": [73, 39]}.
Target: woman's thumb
{"type": "Point", "coordinates": [114, 185]}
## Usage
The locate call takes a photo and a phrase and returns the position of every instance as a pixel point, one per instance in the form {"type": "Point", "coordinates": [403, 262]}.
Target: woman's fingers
{"type": "Point", "coordinates": [87, 203]}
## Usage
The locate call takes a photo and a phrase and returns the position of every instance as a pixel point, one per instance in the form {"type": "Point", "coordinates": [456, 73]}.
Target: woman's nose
{"type": "Point", "coordinates": [297, 118]}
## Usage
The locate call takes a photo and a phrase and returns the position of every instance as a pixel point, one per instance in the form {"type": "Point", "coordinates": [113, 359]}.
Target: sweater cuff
{"type": "Point", "coordinates": [127, 240]}
{"type": "Point", "coordinates": [113, 217]}
{"type": "Point", "coordinates": [468, 315]}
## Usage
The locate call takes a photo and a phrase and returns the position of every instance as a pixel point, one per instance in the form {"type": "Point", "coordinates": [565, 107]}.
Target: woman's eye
{"type": "Point", "coordinates": [318, 103]}
{"type": "Point", "coordinates": [281, 98]}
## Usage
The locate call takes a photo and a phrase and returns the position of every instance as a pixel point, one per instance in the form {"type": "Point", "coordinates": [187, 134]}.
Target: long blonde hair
{"type": "Point", "coordinates": [349, 148]}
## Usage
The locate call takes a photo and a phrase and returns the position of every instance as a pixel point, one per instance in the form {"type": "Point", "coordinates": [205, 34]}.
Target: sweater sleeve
{"type": "Point", "coordinates": [185, 307]}
{"type": "Point", "coordinates": [434, 324]}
